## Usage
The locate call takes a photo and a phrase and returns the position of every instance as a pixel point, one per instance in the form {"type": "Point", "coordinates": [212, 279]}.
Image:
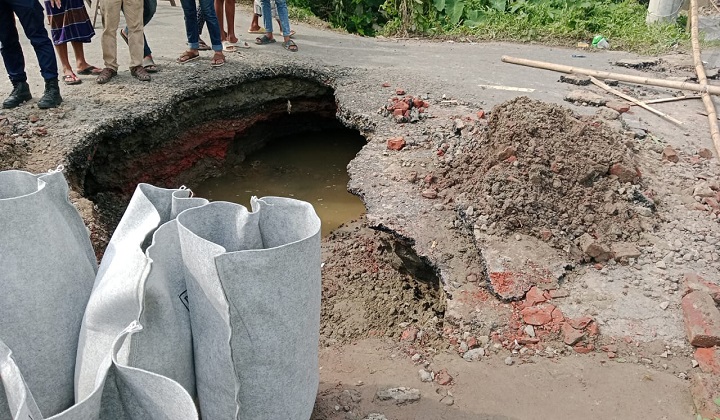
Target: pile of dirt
{"type": "Point", "coordinates": [374, 286]}
{"type": "Point", "coordinates": [539, 169]}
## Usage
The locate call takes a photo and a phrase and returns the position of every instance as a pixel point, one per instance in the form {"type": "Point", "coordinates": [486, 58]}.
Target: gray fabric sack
{"type": "Point", "coordinates": [254, 289]}
{"type": "Point", "coordinates": [134, 284]}
{"type": "Point", "coordinates": [48, 268]}
{"type": "Point", "coordinates": [121, 392]}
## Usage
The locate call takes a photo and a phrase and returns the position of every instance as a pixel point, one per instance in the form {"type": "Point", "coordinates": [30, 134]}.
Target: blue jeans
{"type": "Point", "coordinates": [191, 23]}
{"type": "Point", "coordinates": [282, 12]}
{"type": "Point", "coordinates": [32, 19]}
{"type": "Point", "coordinates": [149, 7]}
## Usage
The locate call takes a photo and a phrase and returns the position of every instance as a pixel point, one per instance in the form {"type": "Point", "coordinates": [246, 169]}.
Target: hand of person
{"type": "Point", "coordinates": [56, 3]}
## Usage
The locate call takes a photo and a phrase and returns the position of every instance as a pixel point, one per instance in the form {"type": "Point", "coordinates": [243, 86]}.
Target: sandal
{"type": "Point", "coordinates": [149, 64]}
{"type": "Point", "coordinates": [187, 57]}
{"type": "Point", "coordinates": [290, 45]}
{"type": "Point", "coordinates": [90, 70]}
{"type": "Point", "coordinates": [203, 46]}
{"type": "Point", "coordinates": [264, 40]}
{"type": "Point", "coordinates": [140, 73]}
{"type": "Point", "coordinates": [124, 36]}
{"type": "Point", "coordinates": [105, 75]}
{"type": "Point", "coordinates": [260, 30]}
{"type": "Point", "coordinates": [229, 47]}
{"type": "Point", "coordinates": [71, 79]}
{"type": "Point", "coordinates": [217, 60]}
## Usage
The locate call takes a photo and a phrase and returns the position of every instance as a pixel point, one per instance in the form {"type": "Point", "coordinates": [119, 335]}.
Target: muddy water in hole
{"type": "Point", "coordinates": [310, 167]}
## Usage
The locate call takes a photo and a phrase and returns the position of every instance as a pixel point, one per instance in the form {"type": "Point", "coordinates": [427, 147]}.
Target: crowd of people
{"type": "Point", "coordinates": [70, 24]}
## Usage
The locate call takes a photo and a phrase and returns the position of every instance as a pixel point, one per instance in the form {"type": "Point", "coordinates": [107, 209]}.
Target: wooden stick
{"type": "Point", "coordinates": [635, 101]}
{"type": "Point", "coordinates": [672, 84]}
{"type": "Point", "coordinates": [511, 88]}
{"type": "Point", "coordinates": [673, 99]}
{"type": "Point", "coordinates": [702, 77]}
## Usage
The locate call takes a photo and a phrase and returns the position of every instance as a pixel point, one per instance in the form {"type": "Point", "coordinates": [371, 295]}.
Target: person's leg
{"type": "Point", "coordinates": [10, 45]}
{"type": "Point", "coordinates": [149, 8]}
{"type": "Point", "coordinates": [133, 17]}
{"type": "Point", "coordinates": [267, 18]}
{"type": "Point", "coordinates": [230, 17]}
{"type": "Point", "coordinates": [282, 11]}
{"type": "Point", "coordinates": [110, 10]}
{"type": "Point", "coordinates": [200, 20]}
{"type": "Point", "coordinates": [191, 12]}
{"type": "Point", "coordinates": [219, 13]}
{"type": "Point", "coordinates": [80, 63]}
{"type": "Point", "coordinates": [32, 18]}
{"type": "Point", "coordinates": [214, 30]}
{"type": "Point", "coordinates": [67, 71]}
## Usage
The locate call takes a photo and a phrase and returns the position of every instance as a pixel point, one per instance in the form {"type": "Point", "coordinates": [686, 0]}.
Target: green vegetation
{"type": "Point", "coordinates": [563, 22]}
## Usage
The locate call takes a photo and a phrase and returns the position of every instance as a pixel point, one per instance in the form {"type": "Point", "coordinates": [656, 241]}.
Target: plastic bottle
{"type": "Point", "coordinates": [600, 42]}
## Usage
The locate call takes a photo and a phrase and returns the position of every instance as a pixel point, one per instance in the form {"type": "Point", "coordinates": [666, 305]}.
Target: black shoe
{"type": "Point", "coordinates": [51, 97]}
{"type": "Point", "coordinates": [19, 94]}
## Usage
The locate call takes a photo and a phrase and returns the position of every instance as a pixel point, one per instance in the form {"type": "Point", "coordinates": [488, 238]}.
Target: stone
{"type": "Point", "coordinates": [708, 359]}
{"type": "Point", "coordinates": [399, 395]}
{"type": "Point", "coordinates": [530, 331]}
{"type": "Point", "coordinates": [409, 334]}
{"type": "Point", "coordinates": [703, 190]}
{"type": "Point", "coordinates": [430, 194]}
{"type": "Point", "coordinates": [395, 143]}
{"type": "Point", "coordinates": [702, 319]}
{"type": "Point", "coordinates": [509, 361]}
{"type": "Point", "coordinates": [425, 376]}
{"type": "Point", "coordinates": [694, 363]}
{"type": "Point", "coordinates": [637, 63]}
{"type": "Point", "coordinates": [593, 248]}
{"type": "Point", "coordinates": [664, 305]}
{"type": "Point", "coordinates": [34, 118]}
{"type": "Point", "coordinates": [558, 293]}
{"type": "Point", "coordinates": [399, 91]}
{"type": "Point", "coordinates": [375, 416]}
{"type": "Point", "coordinates": [670, 154]}
{"type": "Point", "coordinates": [623, 251]}
{"type": "Point", "coordinates": [506, 153]}
{"type": "Point", "coordinates": [704, 389]}
{"type": "Point", "coordinates": [693, 282]}
{"type": "Point", "coordinates": [472, 342]}
{"type": "Point", "coordinates": [448, 400]}
{"type": "Point", "coordinates": [443, 377]}
{"type": "Point", "coordinates": [534, 296]}
{"type": "Point", "coordinates": [416, 357]}
{"type": "Point", "coordinates": [617, 106]}
{"type": "Point", "coordinates": [474, 354]}
{"type": "Point", "coordinates": [661, 265]}
{"type": "Point", "coordinates": [583, 349]}
{"type": "Point", "coordinates": [570, 335]}
{"type": "Point", "coordinates": [537, 315]}
{"type": "Point", "coordinates": [481, 114]}
{"type": "Point", "coordinates": [608, 113]}
{"type": "Point", "coordinates": [625, 173]}
{"type": "Point", "coordinates": [585, 97]}
{"type": "Point", "coordinates": [705, 153]}
{"type": "Point", "coordinates": [575, 79]}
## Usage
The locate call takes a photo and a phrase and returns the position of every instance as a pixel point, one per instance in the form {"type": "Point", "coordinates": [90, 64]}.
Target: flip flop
{"type": "Point", "coordinates": [229, 47]}
{"type": "Point", "coordinates": [89, 71]}
{"type": "Point", "coordinates": [187, 57]}
{"type": "Point", "coordinates": [259, 31]}
{"type": "Point", "coordinates": [217, 62]}
{"type": "Point", "coordinates": [71, 79]}
{"type": "Point", "coordinates": [123, 35]}
{"type": "Point", "coordinates": [244, 45]}
{"type": "Point", "coordinates": [290, 45]}
{"type": "Point", "coordinates": [264, 40]}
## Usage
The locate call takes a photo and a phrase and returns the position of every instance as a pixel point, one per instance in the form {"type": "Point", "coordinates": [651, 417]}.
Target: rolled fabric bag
{"type": "Point", "coordinates": [254, 289]}
{"type": "Point", "coordinates": [48, 269]}
{"type": "Point", "coordinates": [146, 285]}
{"type": "Point", "coordinates": [121, 392]}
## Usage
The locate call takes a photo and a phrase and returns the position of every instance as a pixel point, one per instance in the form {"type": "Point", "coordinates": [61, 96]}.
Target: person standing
{"type": "Point", "coordinates": [133, 10]}
{"type": "Point", "coordinates": [149, 8]}
{"type": "Point", "coordinates": [30, 14]}
{"type": "Point", "coordinates": [193, 32]}
{"type": "Point", "coordinates": [228, 38]}
{"type": "Point", "coordinates": [70, 23]}
{"type": "Point", "coordinates": [282, 12]}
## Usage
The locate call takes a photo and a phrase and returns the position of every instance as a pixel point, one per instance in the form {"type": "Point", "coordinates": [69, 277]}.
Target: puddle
{"type": "Point", "coordinates": [309, 166]}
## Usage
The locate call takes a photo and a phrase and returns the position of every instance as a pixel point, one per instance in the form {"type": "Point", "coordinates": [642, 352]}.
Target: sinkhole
{"type": "Point", "coordinates": [263, 137]}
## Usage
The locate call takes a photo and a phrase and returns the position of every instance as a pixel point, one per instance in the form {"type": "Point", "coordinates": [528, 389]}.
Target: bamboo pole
{"type": "Point", "coordinates": [673, 99]}
{"type": "Point", "coordinates": [672, 84]}
{"type": "Point", "coordinates": [702, 77]}
{"type": "Point", "coordinates": [635, 101]}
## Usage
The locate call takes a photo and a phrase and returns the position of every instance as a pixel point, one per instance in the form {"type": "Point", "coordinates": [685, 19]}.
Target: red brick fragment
{"type": "Point", "coordinates": [580, 323]}
{"type": "Point", "coordinates": [396, 143]}
{"type": "Point", "coordinates": [670, 154]}
{"type": "Point", "coordinates": [709, 359]}
{"type": "Point", "coordinates": [692, 282]}
{"type": "Point", "coordinates": [583, 349]}
{"type": "Point", "coordinates": [409, 334]}
{"type": "Point", "coordinates": [702, 319]}
{"type": "Point", "coordinates": [538, 315]}
{"type": "Point", "coordinates": [534, 296]}
{"type": "Point", "coordinates": [705, 389]}
{"type": "Point", "coordinates": [570, 335]}
{"type": "Point", "coordinates": [443, 377]}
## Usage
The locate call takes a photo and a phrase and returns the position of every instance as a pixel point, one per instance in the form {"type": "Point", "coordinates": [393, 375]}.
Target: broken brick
{"type": "Point", "coordinates": [620, 107]}
{"type": "Point", "coordinates": [399, 91]}
{"type": "Point", "coordinates": [409, 334]}
{"type": "Point", "coordinates": [396, 143]}
{"type": "Point", "coordinates": [670, 154]}
{"type": "Point", "coordinates": [558, 293]}
{"type": "Point", "coordinates": [708, 359]}
{"type": "Point", "coordinates": [443, 377]}
{"type": "Point", "coordinates": [506, 153]}
{"type": "Point", "coordinates": [705, 391]}
{"type": "Point", "coordinates": [702, 319]}
{"type": "Point", "coordinates": [538, 315]}
{"type": "Point", "coordinates": [580, 323]}
{"type": "Point", "coordinates": [705, 153]}
{"type": "Point", "coordinates": [692, 282]}
{"type": "Point", "coordinates": [579, 348]}
{"type": "Point", "coordinates": [534, 296]}
{"type": "Point", "coordinates": [624, 173]}
{"type": "Point", "coordinates": [570, 335]}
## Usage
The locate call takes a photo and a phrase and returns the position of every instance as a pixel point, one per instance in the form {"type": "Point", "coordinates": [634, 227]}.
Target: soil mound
{"type": "Point", "coordinates": [539, 169]}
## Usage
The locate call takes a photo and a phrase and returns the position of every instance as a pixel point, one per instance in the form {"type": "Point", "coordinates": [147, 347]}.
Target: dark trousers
{"type": "Point", "coordinates": [32, 18]}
